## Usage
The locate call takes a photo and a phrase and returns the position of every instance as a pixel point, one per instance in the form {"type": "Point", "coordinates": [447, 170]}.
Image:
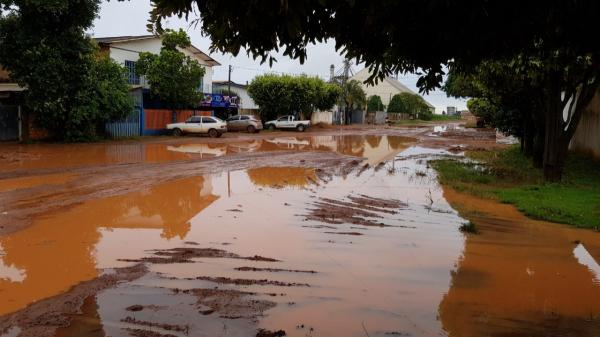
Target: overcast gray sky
{"type": "Point", "coordinates": [130, 18]}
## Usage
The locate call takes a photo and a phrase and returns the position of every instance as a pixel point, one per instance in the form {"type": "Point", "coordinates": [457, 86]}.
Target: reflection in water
{"type": "Point", "coordinates": [375, 149]}
{"type": "Point", "coordinates": [58, 252]}
{"type": "Point", "coordinates": [518, 277]}
{"type": "Point", "coordinates": [282, 176]}
{"type": "Point", "coordinates": [584, 257]}
{"type": "Point", "coordinates": [521, 277]}
{"type": "Point", "coordinates": [203, 150]}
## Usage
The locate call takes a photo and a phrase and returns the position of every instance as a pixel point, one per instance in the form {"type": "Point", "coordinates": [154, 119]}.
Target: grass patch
{"type": "Point", "coordinates": [437, 118]}
{"type": "Point", "coordinates": [509, 177]}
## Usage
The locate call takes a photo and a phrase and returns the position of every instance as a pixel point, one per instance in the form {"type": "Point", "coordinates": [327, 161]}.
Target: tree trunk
{"type": "Point", "coordinates": [553, 133]}
{"type": "Point", "coordinates": [558, 131]}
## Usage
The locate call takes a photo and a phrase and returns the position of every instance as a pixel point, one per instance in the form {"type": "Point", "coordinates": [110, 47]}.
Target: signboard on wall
{"type": "Point", "coordinates": [219, 101]}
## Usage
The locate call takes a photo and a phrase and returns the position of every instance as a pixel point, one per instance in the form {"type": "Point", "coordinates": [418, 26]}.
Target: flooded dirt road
{"type": "Point", "coordinates": [327, 234]}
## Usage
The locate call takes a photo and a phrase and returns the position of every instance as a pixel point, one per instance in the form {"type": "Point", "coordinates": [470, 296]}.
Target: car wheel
{"type": "Point", "coordinates": [300, 128]}
{"type": "Point", "coordinates": [251, 129]}
{"type": "Point", "coordinates": [177, 132]}
{"type": "Point", "coordinates": [213, 133]}
{"type": "Point", "coordinates": [271, 127]}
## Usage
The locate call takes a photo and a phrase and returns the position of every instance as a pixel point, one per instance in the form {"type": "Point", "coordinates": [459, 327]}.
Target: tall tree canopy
{"type": "Point", "coordinates": [44, 47]}
{"type": "Point", "coordinates": [353, 96]}
{"type": "Point", "coordinates": [278, 95]}
{"type": "Point", "coordinates": [374, 103]}
{"type": "Point", "coordinates": [173, 76]}
{"type": "Point", "coordinates": [411, 104]}
{"type": "Point", "coordinates": [376, 31]}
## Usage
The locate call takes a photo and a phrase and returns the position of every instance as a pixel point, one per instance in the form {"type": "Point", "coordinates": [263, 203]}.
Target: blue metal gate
{"type": "Point", "coordinates": [9, 122]}
{"type": "Point", "coordinates": [127, 127]}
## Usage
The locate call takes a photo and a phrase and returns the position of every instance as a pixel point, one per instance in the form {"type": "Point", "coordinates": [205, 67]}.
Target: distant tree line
{"type": "Point", "coordinates": [537, 97]}
{"type": "Point", "coordinates": [405, 102]}
{"type": "Point", "coordinates": [284, 94]}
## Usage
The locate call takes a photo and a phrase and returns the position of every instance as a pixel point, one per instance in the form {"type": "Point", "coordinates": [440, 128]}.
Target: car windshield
{"type": "Point", "coordinates": [284, 118]}
{"type": "Point", "coordinates": [217, 119]}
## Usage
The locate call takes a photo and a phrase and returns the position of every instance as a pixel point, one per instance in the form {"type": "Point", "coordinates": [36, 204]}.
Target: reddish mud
{"type": "Point", "coordinates": [232, 304]}
{"type": "Point", "coordinates": [185, 255]}
{"type": "Point", "coordinates": [44, 317]}
{"type": "Point", "coordinates": [516, 277]}
{"type": "Point", "coordinates": [268, 333]}
{"type": "Point", "coordinates": [521, 277]}
{"type": "Point", "coordinates": [247, 282]}
{"type": "Point", "coordinates": [275, 270]}
{"type": "Point", "coordinates": [360, 210]}
{"type": "Point", "coordinates": [22, 205]}
{"type": "Point", "coordinates": [147, 333]}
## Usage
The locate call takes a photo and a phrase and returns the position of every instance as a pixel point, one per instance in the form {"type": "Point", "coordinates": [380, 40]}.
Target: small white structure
{"type": "Point", "coordinates": [246, 104]}
{"type": "Point", "coordinates": [126, 49]}
{"type": "Point", "coordinates": [386, 88]}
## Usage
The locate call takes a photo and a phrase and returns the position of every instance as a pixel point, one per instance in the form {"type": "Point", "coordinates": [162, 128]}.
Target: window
{"type": "Point", "coordinates": [244, 118]}
{"type": "Point", "coordinates": [233, 118]}
{"type": "Point", "coordinates": [201, 85]}
{"type": "Point", "coordinates": [193, 119]}
{"type": "Point", "coordinates": [283, 119]}
{"type": "Point", "coordinates": [132, 77]}
{"type": "Point", "coordinates": [208, 120]}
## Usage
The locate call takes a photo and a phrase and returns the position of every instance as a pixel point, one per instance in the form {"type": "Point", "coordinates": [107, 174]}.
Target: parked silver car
{"type": "Point", "coordinates": [247, 123]}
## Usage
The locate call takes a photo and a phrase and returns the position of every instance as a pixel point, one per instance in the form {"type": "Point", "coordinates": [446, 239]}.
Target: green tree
{"type": "Point", "coordinates": [397, 105]}
{"type": "Point", "coordinates": [353, 96]}
{"type": "Point", "coordinates": [328, 96]}
{"type": "Point", "coordinates": [276, 95]}
{"type": "Point", "coordinates": [411, 104]}
{"type": "Point", "coordinates": [70, 90]}
{"type": "Point", "coordinates": [538, 97]}
{"type": "Point", "coordinates": [173, 77]}
{"type": "Point", "coordinates": [374, 103]}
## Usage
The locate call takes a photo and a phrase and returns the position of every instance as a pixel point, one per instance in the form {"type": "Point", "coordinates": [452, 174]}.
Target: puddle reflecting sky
{"type": "Point", "coordinates": [422, 279]}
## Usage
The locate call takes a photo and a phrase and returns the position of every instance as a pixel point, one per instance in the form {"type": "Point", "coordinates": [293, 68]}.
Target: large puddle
{"type": "Point", "coordinates": [374, 252]}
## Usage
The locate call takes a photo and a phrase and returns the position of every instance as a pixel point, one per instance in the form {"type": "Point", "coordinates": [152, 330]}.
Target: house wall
{"type": "Point", "coordinates": [587, 136]}
{"type": "Point", "coordinates": [129, 51]}
{"type": "Point", "coordinates": [246, 102]}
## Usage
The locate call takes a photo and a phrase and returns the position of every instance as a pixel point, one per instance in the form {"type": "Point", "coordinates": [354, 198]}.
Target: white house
{"type": "Point", "coordinates": [386, 88]}
{"type": "Point", "coordinates": [126, 49]}
{"type": "Point", "coordinates": [246, 104]}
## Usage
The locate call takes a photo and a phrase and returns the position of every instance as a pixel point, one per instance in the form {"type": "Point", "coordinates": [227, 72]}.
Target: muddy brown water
{"type": "Point", "coordinates": [277, 261]}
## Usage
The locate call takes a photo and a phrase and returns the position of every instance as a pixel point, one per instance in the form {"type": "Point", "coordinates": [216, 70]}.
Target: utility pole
{"type": "Point", "coordinates": [345, 77]}
{"type": "Point", "coordinates": [229, 93]}
{"type": "Point", "coordinates": [229, 80]}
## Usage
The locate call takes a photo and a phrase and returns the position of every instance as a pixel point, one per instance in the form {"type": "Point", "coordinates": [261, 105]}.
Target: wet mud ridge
{"type": "Point", "coordinates": [185, 255]}
{"type": "Point", "coordinates": [88, 183]}
{"type": "Point", "coordinates": [358, 210]}
{"type": "Point", "coordinates": [41, 319]}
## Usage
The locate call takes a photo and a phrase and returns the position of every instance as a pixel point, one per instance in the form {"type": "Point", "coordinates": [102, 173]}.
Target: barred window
{"type": "Point", "coordinates": [132, 77]}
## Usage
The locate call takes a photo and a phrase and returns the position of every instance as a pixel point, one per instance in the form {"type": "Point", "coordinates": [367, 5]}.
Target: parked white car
{"type": "Point", "coordinates": [288, 122]}
{"type": "Point", "coordinates": [212, 126]}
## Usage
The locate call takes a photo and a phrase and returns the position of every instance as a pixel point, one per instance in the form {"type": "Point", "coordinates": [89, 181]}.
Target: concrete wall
{"type": "Point", "coordinates": [325, 117]}
{"type": "Point", "coordinates": [129, 51]}
{"type": "Point", "coordinates": [587, 136]}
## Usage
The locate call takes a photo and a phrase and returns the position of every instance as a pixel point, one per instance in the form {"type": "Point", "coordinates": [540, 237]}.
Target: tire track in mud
{"type": "Point", "coordinates": [19, 207]}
